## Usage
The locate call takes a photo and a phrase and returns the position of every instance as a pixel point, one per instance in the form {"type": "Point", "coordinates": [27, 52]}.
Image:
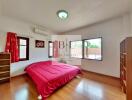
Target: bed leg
{"type": "Point", "coordinates": [39, 97]}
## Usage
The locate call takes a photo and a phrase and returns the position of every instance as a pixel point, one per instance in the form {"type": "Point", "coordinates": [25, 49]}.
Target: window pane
{"type": "Point", "coordinates": [22, 42]}
{"type": "Point", "coordinates": [92, 49]}
{"type": "Point", "coordinates": [51, 49]}
{"type": "Point", "coordinates": [76, 49]}
{"type": "Point", "coordinates": [22, 51]}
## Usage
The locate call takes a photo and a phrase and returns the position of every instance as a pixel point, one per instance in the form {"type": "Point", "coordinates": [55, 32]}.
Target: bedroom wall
{"type": "Point", "coordinates": [0, 8]}
{"type": "Point", "coordinates": [131, 22]}
{"type": "Point", "coordinates": [112, 31]}
{"type": "Point", "coordinates": [130, 3]}
{"type": "Point", "coordinates": [22, 29]}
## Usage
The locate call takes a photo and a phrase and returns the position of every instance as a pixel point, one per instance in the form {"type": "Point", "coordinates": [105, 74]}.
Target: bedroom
{"type": "Point", "coordinates": [42, 24]}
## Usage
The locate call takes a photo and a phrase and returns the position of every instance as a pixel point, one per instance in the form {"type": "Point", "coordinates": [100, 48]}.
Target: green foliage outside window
{"type": "Point", "coordinates": [89, 45]}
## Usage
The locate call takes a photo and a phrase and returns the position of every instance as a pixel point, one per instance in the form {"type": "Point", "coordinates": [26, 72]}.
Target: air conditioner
{"type": "Point", "coordinates": [41, 31]}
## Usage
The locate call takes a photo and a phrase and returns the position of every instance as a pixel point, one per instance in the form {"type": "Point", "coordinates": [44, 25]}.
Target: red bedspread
{"type": "Point", "coordinates": [49, 75]}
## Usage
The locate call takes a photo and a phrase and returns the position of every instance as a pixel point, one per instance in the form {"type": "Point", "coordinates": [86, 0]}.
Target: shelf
{"type": "Point", "coordinates": [4, 53]}
{"type": "Point", "coordinates": [122, 88]}
{"type": "Point", "coordinates": [124, 68]}
{"type": "Point", "coordinates": [4, 66]}
{"type": "Point", "coordinates": [121, 63]}
{"type": "Point", "coordinates": [122, 57]}
{"type": "Point", "coordinates": [4, 78]}
{"type": "Point", "coordinates": [124, 53]}
{"type": "Point", "coordinates": [4, 72]}
{"type": "Point", "coordinates": [124, 81]}
{"type": "Point", "coordinates": [4, 59]}
{"type": "Point", "coordinates": [122, 72]}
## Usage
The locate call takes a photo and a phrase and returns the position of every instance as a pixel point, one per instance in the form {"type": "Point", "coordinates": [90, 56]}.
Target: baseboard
{"type": "Point", "coordinates": [18, 75]}
{"type": "Point", "coordinates": [114, 81]}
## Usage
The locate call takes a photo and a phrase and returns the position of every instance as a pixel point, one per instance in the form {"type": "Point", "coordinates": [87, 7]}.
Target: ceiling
{"type": "Point", "coordinates": [82, 12]}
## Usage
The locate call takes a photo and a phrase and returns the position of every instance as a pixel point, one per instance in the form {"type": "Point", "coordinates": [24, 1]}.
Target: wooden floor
{"type": "Point", "coordinates": [22, 88]}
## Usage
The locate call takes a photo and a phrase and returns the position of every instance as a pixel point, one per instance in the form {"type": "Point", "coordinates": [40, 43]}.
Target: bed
{"type": "Point", "coordinates": [50, 75]}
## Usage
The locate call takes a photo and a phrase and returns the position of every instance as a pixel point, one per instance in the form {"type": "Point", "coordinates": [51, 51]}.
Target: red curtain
{"type": "Point", "coordinates": [56, 49]}
{"type": "Point", "coordinates": [12, 46]}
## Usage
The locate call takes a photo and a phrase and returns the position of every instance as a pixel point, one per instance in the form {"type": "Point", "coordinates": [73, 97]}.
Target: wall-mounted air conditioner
{"type": "Point", "coordinates": [41, 31]}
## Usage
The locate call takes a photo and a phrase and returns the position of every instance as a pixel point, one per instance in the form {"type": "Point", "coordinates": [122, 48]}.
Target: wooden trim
{"type": "Point", "coordinates": [83, 57]}
{"type": "Point", "coordinates": [114, 81]}
{"type": "Point", "coordinates": [101, 49]}
{"type": "Point", "coordinates": [27, 48]}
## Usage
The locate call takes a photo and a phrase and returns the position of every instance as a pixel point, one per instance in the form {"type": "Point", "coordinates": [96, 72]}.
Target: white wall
{"type": "Point", "coordinates": [0, 8]}
{"type": "Point", "coordinates": [131, 23]}
{"type": "Point", "coordinates": [22, 29]}
{"type": "Point", "coordinates": [113, 32]}
{"type": "Point", "coordinates": [130, 7]}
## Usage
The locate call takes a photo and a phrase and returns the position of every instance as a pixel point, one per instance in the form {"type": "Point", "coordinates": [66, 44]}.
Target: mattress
{"type": "Point", "coordinates": [50, 75]}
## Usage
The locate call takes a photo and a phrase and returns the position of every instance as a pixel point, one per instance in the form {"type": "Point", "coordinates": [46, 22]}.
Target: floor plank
{"type": "Point", "coordinates": [22, 88]}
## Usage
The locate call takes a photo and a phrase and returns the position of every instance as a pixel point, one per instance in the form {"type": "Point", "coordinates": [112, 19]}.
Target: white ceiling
{"type": "Point", "coordinates": [82, 12]}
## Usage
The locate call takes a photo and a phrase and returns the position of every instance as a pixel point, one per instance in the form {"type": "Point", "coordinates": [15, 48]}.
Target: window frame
{"type": "Point", "coordinates": [70, 49]}
{"type": "Point", "coordinates": [27, 48]}
{"type": "Point", "coordinates": [49, 49]}
{"type": "Point", "coordinates": [83, 40]}
{"type": "Point", "coordinates": [101, 49]}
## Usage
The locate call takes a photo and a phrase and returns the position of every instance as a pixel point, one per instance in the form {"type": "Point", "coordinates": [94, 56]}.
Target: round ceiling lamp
{"type": "Point", "coordinates": [62, 14]}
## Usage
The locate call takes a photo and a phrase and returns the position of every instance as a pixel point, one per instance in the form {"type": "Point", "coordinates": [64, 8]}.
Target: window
{"type": "Point", "coordinates": [76, 49]}
{"type": "Point", "coordinates": [23, 45]}
{"type": "Point", "coordinates": [50, 49]}
{"type": "Point", "coordinates": [93, 49]}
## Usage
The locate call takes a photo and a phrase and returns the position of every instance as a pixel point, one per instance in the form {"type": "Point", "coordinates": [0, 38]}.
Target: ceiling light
{"type": "Point", "coordinates": [62, 14]}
